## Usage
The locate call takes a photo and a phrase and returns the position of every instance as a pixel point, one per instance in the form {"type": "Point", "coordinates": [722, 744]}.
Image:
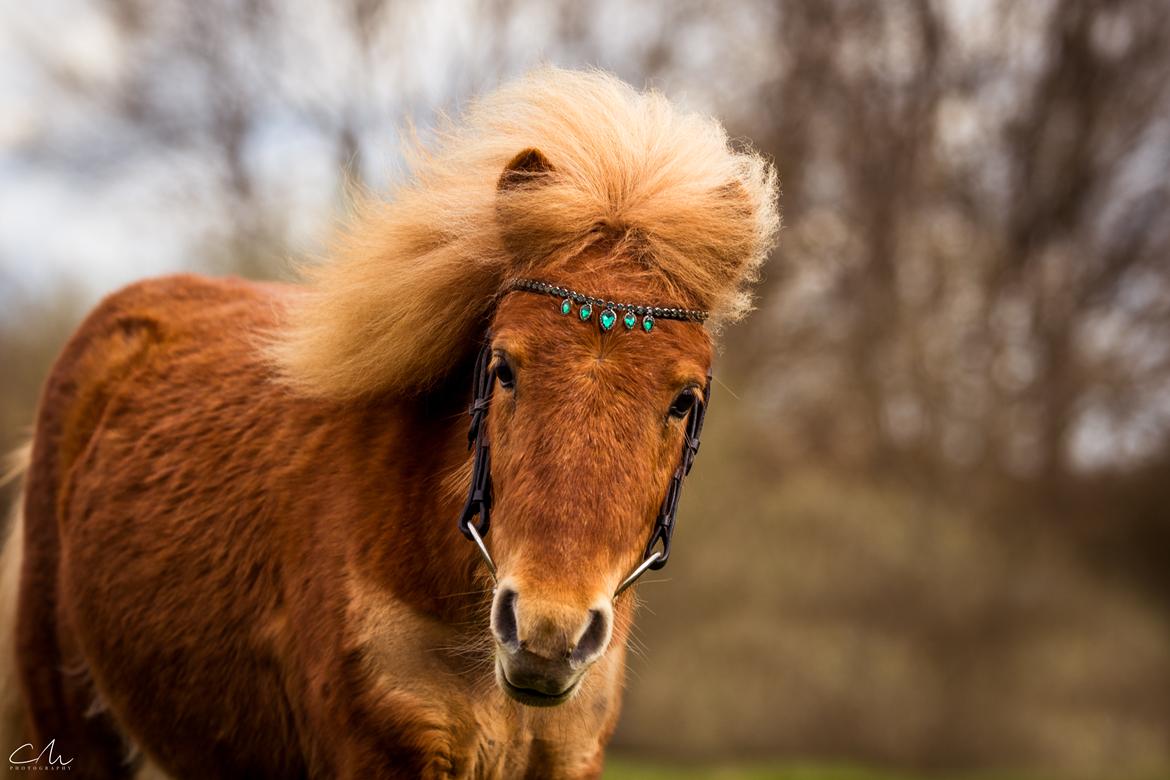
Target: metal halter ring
{"type": "Point", "coordinates": [641, 569]}
{"type": "Point", "coordinates": [483, 550]}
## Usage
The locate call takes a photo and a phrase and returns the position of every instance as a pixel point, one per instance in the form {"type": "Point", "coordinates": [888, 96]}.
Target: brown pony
{"type": "Point", "coordinates": [239, 538]}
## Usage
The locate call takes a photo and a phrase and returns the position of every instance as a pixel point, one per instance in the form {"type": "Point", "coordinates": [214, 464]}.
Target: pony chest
{"type": "Point", "coordinates": [439, 692]}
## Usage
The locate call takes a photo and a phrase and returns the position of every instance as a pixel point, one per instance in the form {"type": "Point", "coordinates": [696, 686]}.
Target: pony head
{"type": "Point", "coordinates": [581, 182]}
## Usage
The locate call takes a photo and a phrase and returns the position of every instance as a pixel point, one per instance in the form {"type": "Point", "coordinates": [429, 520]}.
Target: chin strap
{"type": "Point", "coordinates": [479, 496]}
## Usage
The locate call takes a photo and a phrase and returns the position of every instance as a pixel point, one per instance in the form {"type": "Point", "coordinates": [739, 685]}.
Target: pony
{"type": "Point", "coordinates": [238, 548]}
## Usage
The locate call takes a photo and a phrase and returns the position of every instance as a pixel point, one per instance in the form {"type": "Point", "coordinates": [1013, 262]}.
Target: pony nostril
{"type": "Point", "coordinates": [504, 619]}
{"type": "Point", "coordinates": [595, 638]}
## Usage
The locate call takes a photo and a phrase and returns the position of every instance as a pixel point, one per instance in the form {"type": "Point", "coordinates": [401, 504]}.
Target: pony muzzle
{"type": "Point", "coordinates": [544, 647]}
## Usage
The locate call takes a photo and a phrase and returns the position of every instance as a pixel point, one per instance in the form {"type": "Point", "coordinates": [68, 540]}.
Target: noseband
{"type": "Point", "coordinates": [479, 496]}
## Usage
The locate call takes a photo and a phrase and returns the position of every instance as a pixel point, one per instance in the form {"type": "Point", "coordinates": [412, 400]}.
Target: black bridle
{"type": "Point", "coordinates": [479, 496]}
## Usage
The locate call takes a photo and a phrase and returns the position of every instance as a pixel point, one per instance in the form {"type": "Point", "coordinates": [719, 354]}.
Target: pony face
{"type": "Point", "coordinates": [586, 428]}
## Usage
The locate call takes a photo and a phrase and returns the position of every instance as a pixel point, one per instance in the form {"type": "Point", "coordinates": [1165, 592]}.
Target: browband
{"type": "Point", "coordinates": [586, 304]}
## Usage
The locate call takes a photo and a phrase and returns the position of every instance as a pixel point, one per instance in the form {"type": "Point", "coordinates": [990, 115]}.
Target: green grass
{"type": "Point", "coordinates": [619, 768]}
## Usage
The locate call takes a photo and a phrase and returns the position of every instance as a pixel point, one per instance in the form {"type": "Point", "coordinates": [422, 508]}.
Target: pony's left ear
{"type": "Point", "coordinates": [532, 219]}
{"type": "Point", "coordinates": [528, 167]}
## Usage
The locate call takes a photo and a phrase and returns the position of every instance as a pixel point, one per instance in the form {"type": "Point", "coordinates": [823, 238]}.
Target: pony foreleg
{"type": "Point", "coordinates": [12, 721]}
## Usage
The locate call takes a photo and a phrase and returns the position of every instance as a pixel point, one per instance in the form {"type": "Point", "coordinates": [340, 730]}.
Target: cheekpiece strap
{"type": "Point", "coordinates": [479, 496]}
{"type": "Point", "coordinates": [664, 526]}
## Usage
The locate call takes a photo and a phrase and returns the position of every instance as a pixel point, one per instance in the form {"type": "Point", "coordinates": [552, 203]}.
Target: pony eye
{"type": "Point", "coordinates": [683, 403]}
{"type": "Point", "coordinates": [505, 374]}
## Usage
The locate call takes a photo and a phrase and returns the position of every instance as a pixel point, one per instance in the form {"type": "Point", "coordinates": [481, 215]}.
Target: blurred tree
{"type": "Point", "coordinates": [975, 263]}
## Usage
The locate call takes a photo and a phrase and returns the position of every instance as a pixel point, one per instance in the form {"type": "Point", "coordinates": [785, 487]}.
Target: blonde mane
{"type": "Point", "coordinates": [409, 281]}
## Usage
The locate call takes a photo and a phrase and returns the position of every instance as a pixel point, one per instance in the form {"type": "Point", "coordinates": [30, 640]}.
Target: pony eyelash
{"type": "Point", "coordinates": [608, 318]}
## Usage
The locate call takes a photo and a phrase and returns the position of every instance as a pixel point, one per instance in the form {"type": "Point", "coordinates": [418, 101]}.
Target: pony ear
{"type": "Point", "coordinates": [527, 168]}
{"type": "Point", "coordinates": [525, 229]}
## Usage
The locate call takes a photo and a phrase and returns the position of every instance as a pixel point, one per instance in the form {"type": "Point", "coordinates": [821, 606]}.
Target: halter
{"type": "Point", "coordinates": [479, 496]}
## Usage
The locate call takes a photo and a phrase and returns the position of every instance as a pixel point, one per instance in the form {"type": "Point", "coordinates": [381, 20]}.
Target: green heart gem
{"type": "Point", "coordinates": [566, 306]}
{"type": "Point", "coordinates": [647, 323]}
{"type": "Point", "coordinates": [630, 320]}
{"type": "Point", "coordinates": [586, 311]}
{"type": "Point", "coordinates": [607, 319]}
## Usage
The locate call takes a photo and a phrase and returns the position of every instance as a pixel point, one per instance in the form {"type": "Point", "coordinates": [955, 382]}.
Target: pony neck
{"type": "Point", "coordinates": [409, 455]}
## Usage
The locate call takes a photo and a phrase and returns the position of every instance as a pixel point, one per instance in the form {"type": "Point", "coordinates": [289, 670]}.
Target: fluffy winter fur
{"type": "Point", "coordinates": [411, 278]}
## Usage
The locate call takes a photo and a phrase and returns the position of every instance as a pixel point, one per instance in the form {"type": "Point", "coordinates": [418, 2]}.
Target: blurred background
{"type": "Point", "coordinates": [930, 528]}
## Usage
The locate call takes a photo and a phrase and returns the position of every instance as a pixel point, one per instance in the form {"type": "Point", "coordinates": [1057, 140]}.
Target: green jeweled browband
{"type": "Point", "coordinates": [609, 314]}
